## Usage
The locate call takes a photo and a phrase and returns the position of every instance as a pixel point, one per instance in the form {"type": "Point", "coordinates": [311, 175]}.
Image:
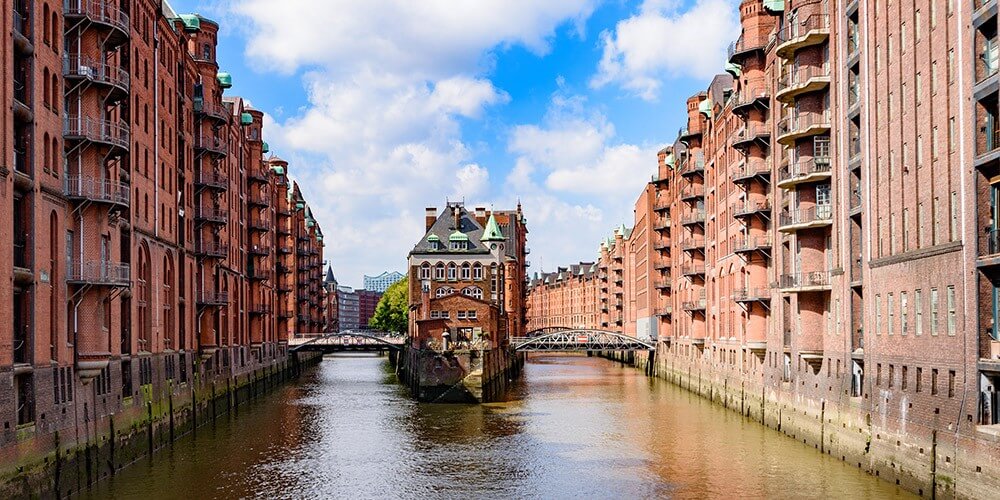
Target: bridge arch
{"type": "Point", "coordinates": [579, 340]}
{"type": "Point", "coordinates": [352, 341]}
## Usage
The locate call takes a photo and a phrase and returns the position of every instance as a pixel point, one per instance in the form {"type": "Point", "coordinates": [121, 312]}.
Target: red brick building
{"type": "Point", "coordinates": [826, 248]}
{"type": "Point", "coordinates": [154, 246]}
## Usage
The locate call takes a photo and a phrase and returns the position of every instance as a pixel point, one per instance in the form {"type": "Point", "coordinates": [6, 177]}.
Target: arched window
{"type": "Point", "coordinates": [477, 271]}
{"type": "Point", "coordinates": [439, 271]}
{"type": "Point", "coordinates": [45, 86]}
{"type": "Point", "coordinates": [473, 291]}
{"type": "Point", "coordinates": [444, 291]}
{"type": "Point", "coordinates": [425, 271]}
{"type": "Point", "coordinates": [452, 271]}
{"type": "Point", "coordinates": [466, 272]}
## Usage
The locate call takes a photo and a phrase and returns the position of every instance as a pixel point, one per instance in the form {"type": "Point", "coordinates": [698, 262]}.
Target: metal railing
{"type": "Point", "coordinates": [85, 67]}
{"type": "Point", "coordinates": [210, 298]}
{"type": "Point", "coordinates": [94, 189]}
{"type": "Point", "coordinates": [693, 243]}
{"type": "Point", "coordinates": [211, 214]}
{"type": "Point", "coordinates": [21, 251]}
{"type": "Point", "coordinates": [992, 241]}
{"type": "Point", "coordinates": [99, 11]}
{"type": "Point", "coordinates": [751, 207]}
{"type": "Point", "coordinates": [211, 248]}
{"type": "Point", "coordinates": [20, 14]}
{"type": "Point", "coordinates": [804, 280]}
{"type": "Point", "coordinates": [742, 45]}
{"type": "Point", "coordinates": [815, 22]}
{"type": "Point", "coordinates": [751, 243]}
{"type": "Point", "coordinates": [98, 273]}
{"type": "Point", "coordinates": [212, 110]}
{"type": "Point", "coordinates": [750, 169]}
{"type": "Point", "coordinates": [212, 178]}
{"type": "Point", "coordinates": [803, 121]}
{"type": "Point", "coordinates": [92, 129]}
{"type": "Point", "coordinates": [693, 163]}
{"type": "Point", "coordinates": [749, 133]}
{"type": "Point", "coordinates": [806, 215]}
{"type": "Point", "coordinates": [805, 168]}
{"type": "Point", "coordinates": [692, 191]}
{"type": "Point", "coordinates": [802, 75]}
{"type": "Point", "coordinates": [259, 225]}
{"type": "Point", "coordinates": [212, 143]}
{"type": "Point", "coordinates": [693, 217]}
{"type": "Point", "coordinates": [748, 294]}
{"type": "Point", "coordinates": [259, 250]}
{"type": "Point", "coordinates": [22, 92]}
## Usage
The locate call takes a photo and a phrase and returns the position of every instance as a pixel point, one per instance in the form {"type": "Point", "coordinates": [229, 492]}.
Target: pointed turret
{"type": "Point", "coordinates": [492, 231]}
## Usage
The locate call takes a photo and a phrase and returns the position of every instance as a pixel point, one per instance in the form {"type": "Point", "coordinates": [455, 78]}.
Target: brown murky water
{"type": "Point", "coordinates": [574, 427]}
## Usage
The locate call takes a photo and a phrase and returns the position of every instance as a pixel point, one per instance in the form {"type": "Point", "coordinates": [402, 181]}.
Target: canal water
{"type": "Point", "coordinates": [573, 427]}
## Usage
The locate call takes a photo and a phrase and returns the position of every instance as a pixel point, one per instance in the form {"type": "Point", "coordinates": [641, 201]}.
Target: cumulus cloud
{"type": "Point", "coordinates": [388, 85]}
{"type": "Point", "coordinates": [665, 40]}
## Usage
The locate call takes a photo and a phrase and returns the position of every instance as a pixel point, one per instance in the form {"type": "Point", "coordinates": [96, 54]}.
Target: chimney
{"type": "Point", "coordinates": [481, 215]}
{"type": "Point", "coordinates": [457, 217]}
{"type": "Point", "coordinates": [430, 215]}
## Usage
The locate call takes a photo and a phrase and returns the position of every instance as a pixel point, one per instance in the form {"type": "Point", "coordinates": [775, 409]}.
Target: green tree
{"type": "Point", "coordinates": [392, 311]}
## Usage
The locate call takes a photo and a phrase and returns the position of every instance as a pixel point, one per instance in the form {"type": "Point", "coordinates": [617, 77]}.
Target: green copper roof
{"type": "Point", "coordinates": [246, 119]}
{"type": "Point", "coordinates": [266, 148]}
{"type": "Point", "coordinates": [310, 223]}
{"type": "Point", "coordinates": [705, 107]}
{"type": "Point", "coordinates": [225, 79]}
{"type": "Point", "coordinates": [734, 69]}
{"type": "Point", "coordinates": [433, 237]}
{"type": "Point", "coordinates": [492, 231]}
{"type": "Point", "coordinates": [671, 160]}
{"type": "Point", "coordinates": [278, 170]}
{"type": "Point", "coordinates": [774, 5]}
{"type": "Point", "coordinates": [191, 22]}
{"type": "Point", "coordinates": [300, 205]}
{"type": "Point", "coordinates": [319, 238]}
{"type": "Point", "coordinates": [458, 236]}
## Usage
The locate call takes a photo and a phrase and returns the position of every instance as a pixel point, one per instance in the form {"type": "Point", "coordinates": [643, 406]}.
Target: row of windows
{"type": "Point", "coordinates": [458, 314]}
{"type": "Point", "coordinates": [905, 308]}
{"type": "Point", "coordinates": [918, 379]}
{"type": "Point", "coordinates": [469, 291]}
{"type": "Point", "coordinates": [452, 271]}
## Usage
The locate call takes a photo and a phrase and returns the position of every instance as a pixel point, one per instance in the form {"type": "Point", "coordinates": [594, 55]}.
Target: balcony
{"type": "Point", "coordinates": [806, 218]}
{"type": "Point", "coordinates": [751, 99]}
{"type": "Point", "coordinates": [87, 188]}
{"type": "Point", "coordinates": [98, 273]}
{"type": "Point", "coordinates": [212, 179]}
{"type": "Point", "coordinates": [804, 80]}
{"type": "Point", "coordinates": [256, 176]}
{"type": "Point", "coordinates": [751, 244]}
{"type": "Point", "coordinates": [814, 30]}
{"type": "Point", "coordinates": [803, 171]}
{"type": "Point", "coordinates": [662, 224]}
{"type": "Point", "coordinates": [211, 249]}
{"type": "Point", "coordinates": [258, 225]}
{"type": "Point", "coordinates": [217, 112]}
{"type": "Point", "coordinates": [745, 171]}
{"type": "Point", "coordinates": [258, 200]}
{"type": "Point", "coordinates": [209, 214]}
{"type": "Point", "coordinates": [663, 267]}
{"type": "Point", "coordinates": [855, 203]}
{"type": "Point", "coordinates": [256, 274]}
{"type": "Point", "coordinates": [218, 146]}
{"type": "Point", "coordinates": [983, 11]}
{"type": "Point", "coordinates": [795, 127]}
{"type": "Point", "coordinates": [755, 132]}
{"type": "Point", "coordinates": [744, 295]}
{"type": "Point", "coordinates": [22, 25]}
{"type": "Point", "coordinates": [693, 164]}
{"type": "Point", "coordinates": [22, 97]}
{"type": "Point", "coordinates": [260, 309]}
{"type": "Point", "coordinates": [685, 134]}
{"type": "Point", "coordinates": [209, 298]}
{"type": "Point", "coordinates": [662, 245]}
{"type": "Point", "coordinates": [816, 281]}
{"type": "Point", "coordinates": [744, 47]}
{"type": "Point", "coordinates": [693, 244]}
{"type": "Point", "coordinates": [106, 132]}
{"type": "Point", "coordinates": [694, 217]}
{"type": "Point", "coordinates": [694, 305]}
{"type": "Point", "coordinates": [989, 252]}
{"type": "Point", "coordinates": [284, 249]}
{"type": "Point", "coordinates": [751, 207]}
{"type": "Point", "coordinates": [283, 269]}
{"type": "Point", "coordinates": [664, 311]}
{"type": "Point", "coordinates": [103, 13]}
{"type": "Point", "coordinates": [693, 270]}
{"type": "Point", "coordinates": [692, 192]}
{"type": "Point", "coordinates": [115, 78]}
{"type": "Point", "coordinates": [259, 250]}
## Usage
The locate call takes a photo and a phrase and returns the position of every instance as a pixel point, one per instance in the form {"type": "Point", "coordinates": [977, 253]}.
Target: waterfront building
{"type": "Point", "coordinates": [826, 243]}
{"type": "Point", "coordinates": [467, 298]}
{"type": "Point", "coordinates": [383, 281]}
{"type": "Point", "coordinates": [331, 321]}
{"type": "Point", "coordinates": [367, 301]}
{"type": "Point", "coordinates": [150, 238]}
{"type": "Point", "coordinates": [349, 305]}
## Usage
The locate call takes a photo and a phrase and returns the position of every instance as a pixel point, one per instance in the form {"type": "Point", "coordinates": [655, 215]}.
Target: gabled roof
{"type": "Point", "coordinates": [444, 228]}
{"type": "Point", "coordinates": [492, 231]}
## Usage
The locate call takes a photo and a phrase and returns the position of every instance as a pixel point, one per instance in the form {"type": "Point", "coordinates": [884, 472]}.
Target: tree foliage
{"type": "Point", "coordinates": [391, 313]}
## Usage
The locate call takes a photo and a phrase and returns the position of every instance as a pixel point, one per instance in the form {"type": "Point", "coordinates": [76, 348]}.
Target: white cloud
{"type": "Point", "coordinates": [389, 83]}
{"type": "Point", "coordinates": [662, 40]}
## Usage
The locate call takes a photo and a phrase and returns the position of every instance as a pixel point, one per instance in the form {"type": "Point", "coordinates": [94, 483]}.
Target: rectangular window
{"type": "Point", "coordinates": [934, 376]}
{"type": "Point", "coordinates": [435, 314]}
{"type": "Point", "coordinates": [954, 216]}
{"type": "Point", "coordinates": [918, 303]}
{"type": "Point", "coordinates": [461, 314]}
{"type": "Point", "coordinates": [878, 375]}
{"type": "Point", "coordinates": [904, 317]}
{"type": "Point", "coordinates": [951, 383]}
{"type": "Point", "coordinates": [892, 376]}
{"type": "Point", "coordinates": [445, 314]}
{"type": "Point", "coordinates": [934, 311]}
{"type": "Point", "coordinates": [477, 273]}
{"type": "Point", "coordinates": [878, 314]}
{"type": "Point", "coordinates": [902, 378]}
{"type": "Point", "coordinates": [920, 378]}
{"type": "Point", "coordinates": [951, 310]}
{"type": "Point", "coordinates": [472, 315]}
{"type": "Point", "coordinates": [890, 309]}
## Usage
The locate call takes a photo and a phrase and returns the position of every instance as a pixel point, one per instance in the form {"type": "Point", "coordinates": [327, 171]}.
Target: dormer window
{"type": "Point", "coordinates": [459, 245]}
{"type": "Point", "coordinates": [458, 241]}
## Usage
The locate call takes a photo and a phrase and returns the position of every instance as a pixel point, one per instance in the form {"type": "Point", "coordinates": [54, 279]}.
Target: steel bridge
{"type": "Point", "coordinates": [578, 340]}
{"type": "Point", "coordinates": [349, 341]}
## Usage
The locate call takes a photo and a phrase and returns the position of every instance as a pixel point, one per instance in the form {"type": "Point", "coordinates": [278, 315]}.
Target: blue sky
{"type": "Point", "coordinates": [560, 104]}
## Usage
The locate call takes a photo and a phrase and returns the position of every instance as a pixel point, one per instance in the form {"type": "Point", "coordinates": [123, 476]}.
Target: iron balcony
{"type": "Point", "coordinates": [78, 68]}
{"type": "Point", "coordinates": [210, 249]}
{"type": "Point", "coordinates": [106, 132]}
{"type": "Point", "coordinates": [807, 218]}
{"type": "Point", "coordinates": [212, 144]}
{"type": "Point", "coordinates": [99, 273]}
{"type": "Point", "coordinates": [805, 282]}
{"type": "Point", "coordinates": [101, 12]}
{"type": "Point", "coordinates": [89, 188]}
{"type": "Point", "coordinates": [210, 298]}
{"type": "Point", "coordinates": [210, 214]}
{"type": "Point", "coordinates": [212, 178]}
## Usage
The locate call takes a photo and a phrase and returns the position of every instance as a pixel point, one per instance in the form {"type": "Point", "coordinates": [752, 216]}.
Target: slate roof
{"type": "Point", "coordinates": [444, 227]}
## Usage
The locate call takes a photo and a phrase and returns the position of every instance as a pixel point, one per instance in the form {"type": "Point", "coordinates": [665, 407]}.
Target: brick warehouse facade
{"type": "Point", "coordinates": [825, 247]}
{"type": "Point", "coordinates": [155, 250]}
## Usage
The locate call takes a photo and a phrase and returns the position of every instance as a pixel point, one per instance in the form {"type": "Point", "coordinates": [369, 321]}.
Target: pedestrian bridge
{"type": "Point", "coordinates": [578, 340]}
{"type": "Point", "coordinates": [349, 341]}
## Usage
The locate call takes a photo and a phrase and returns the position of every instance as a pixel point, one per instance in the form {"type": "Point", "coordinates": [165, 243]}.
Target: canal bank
{"type": "Point", "coordinates": [918, 459]}
{"type": "Point", "coordinates": [460, 375]}
{"type": "Point", "coordinates": [571, 426]}
{"type": "Point", "coordinates": [108, 432]}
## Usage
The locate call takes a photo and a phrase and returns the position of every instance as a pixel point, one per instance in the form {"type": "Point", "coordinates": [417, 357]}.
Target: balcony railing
{"type": "Point", "coordinates": [258, 200]}
{"type": "Point", "coordinates": [751, 294]}
{"type": "Point", "coordinates": [693, 164]}
{"type": "Point", "coordinates": [217, 111]}
{"type": "Point", "coordinates": [819, 213]}
{"type": "Point", "coordinates": [94, 130]}
{"type": "Point", "coordinates": [210, 298]}
{"type": "Point", "coordinates": [744, 136]}
{"type": "Point", "coordinates": [694, 305]}
{"type": "Point", "coordinates": [812, 169]}
{"type": "Point", "coordinates": [96, 190]}
{"type": "Point", "coordinates": [693, 270]}
{"type": "Point", "coordinates": [212, 178]}
{"type": "Point", "coordinates": [99, 11]}
{"type": "Point", "coordinates": [259, 250]}
{"type": "Point", "coordinates": [800, 124]}
{"type": "Point", "coordinates": [210, 214]}
{"type": "Point", "coordinates": [805, 280]}
{"type": "Point", "coordinates": [992, 241]}
{"type": "Point", "coordinates": [101, 273]}
{"type": "Point", "coordinates": [750, 169]}
{"type": "Point", "coordinates": [694, 217]}
{"type": "Point", "coordinates": [813, 23]}
{"type": "Point", "coordinates": [22, 91]}
{"type": "Point", "coordinates": [743, 45]}
{"type": "Point", "coordinates": [211, 249]}
{"type": "Point", "coordinates": [693, 243]}
{"type": "Point", "coordinates": [259, 225]}
{"type": "Point", "coordinates": [211, 143]}
{"type": "Point", "coordinates": [692, 191]}
{"type": "Point", "coordinates": [752, 243]}
{"type": "Point", "coordinates": [802, 75]}
{"type": "Point", "coordinates": [100, 72]}
{"type": "Point", "coordinates": [751, 207]}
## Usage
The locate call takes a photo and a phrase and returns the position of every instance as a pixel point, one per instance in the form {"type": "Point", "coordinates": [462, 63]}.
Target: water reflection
{"type": "Point", "coordinates": [573, 427]}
